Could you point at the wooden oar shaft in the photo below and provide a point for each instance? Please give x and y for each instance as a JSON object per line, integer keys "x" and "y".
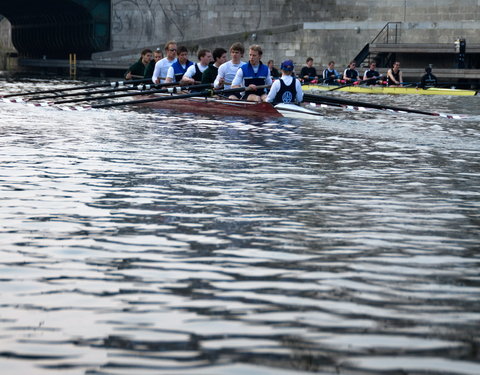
{"x": 338, "y": 101}
{"x": 112, "y": 84}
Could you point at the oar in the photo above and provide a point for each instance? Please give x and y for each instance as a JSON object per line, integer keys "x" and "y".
{"x": 363, "y": 82}
{"x": 126, "y": 88}
{"x": 341, "y": 87}
{"x": 344, "y": 102}
{"x": 112, "y": 84}
{"x": 205, "y": 93}
{"x": 142, "y": 92}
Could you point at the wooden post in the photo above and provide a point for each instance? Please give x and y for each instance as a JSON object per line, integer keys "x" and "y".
{"x": 73, "y": 65}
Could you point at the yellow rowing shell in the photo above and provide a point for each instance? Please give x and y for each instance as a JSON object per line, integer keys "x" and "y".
{"x": 390, "y": 90}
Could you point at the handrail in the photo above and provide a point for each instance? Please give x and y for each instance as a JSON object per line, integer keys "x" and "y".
{"x": 386, "y": 29}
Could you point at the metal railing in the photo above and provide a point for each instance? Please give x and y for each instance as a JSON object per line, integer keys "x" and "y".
{"x": 390, "y": 34}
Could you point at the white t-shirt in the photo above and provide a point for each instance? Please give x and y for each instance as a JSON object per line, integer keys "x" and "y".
{"x": 161, "y": 69}
{"x": 227, "y": 71}
{"x": 288, "y": 81}
{"x": 191, "y": 70}
{"x": 238, "y": 80}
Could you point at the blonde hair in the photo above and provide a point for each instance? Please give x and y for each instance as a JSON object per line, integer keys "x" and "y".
{"x": 168, "y": 44}
{"x": 256, "y": 48}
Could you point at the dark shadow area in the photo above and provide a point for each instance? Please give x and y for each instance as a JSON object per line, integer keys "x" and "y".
{"x": 55, "y": 28}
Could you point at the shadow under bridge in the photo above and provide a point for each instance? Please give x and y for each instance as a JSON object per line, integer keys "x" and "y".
{"x": 55, "y": 28}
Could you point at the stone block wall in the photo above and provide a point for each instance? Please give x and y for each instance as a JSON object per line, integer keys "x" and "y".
{"x": 330, "y": 29}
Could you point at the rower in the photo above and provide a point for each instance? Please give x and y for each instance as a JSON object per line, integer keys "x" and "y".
{"x": 228, "y": 70}
{"x": 308, "y": 72}
{"x": 287, "y": 89}
{"x": 350, "y": 75}
{"x": 428, "y": 79}
{"x": 394, "y": 75}
{"x": 161, "y": 67}
{"x": 219, "y": 57}
{"x": 330, "y": 75}
{"x": 179, "y": 67}
{"x": 157, "y": 56}
{"x": 195, "y": 71}
{"x": 253, "y": 74}
{"x": 371, "y": 75}
{"x": 137, "y": 70}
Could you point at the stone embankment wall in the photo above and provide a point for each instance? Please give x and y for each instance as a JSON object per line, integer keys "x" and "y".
{"x": 328, "y": 29}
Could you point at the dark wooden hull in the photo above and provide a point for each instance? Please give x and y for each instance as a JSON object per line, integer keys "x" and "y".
{"x": 220, "y": 107}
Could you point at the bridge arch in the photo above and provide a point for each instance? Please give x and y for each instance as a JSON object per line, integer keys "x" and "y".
{"x": 55, "y": 28}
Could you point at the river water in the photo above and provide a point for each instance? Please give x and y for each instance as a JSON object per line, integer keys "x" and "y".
{"x": 136, "y": 241}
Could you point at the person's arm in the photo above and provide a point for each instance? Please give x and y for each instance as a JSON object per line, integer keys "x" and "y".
{"x": 208, "y": 75}
{"x": 238, "y": 80}
{"x": 268, "y": 80}
{"x": 298, "y": 88}
{"x": 401, "y": 78}
{"x": 187, "y": 77}
{"x": 303, "y": 73}
{"x": 391, "y": 77}
{"x": 170, "y": 75}
{"x": 128, "y": 74}
{"x": 273, "y": 91}
{"x": 220, "y": 79}
{"x": 156, "y": 72}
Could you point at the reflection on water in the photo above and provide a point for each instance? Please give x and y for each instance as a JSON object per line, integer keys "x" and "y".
{"x": 147, "y": 242}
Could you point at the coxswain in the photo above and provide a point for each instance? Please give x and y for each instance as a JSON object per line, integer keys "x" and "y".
{"x": 287, "y": 89}
{"x": 350, "y": 75}
{"x": 219, "y": 57}
{"x": 157, "y": 56}
{"x": 253, "y": 74}
{"x": 179, "y": 67}
{"x": 227, "y": 71}
{"x": 161, "y": 67}
{"x": 194, "y": 72}
{"x": 428, "y": 79}
{"x": 394, "y": 75}
{"x": 137, "y": 70}
{"x": 330, "y": 75}
{"x": 371, "y": 75}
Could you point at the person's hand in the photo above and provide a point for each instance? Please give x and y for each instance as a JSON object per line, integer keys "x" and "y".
{"x": 128, "y": 75}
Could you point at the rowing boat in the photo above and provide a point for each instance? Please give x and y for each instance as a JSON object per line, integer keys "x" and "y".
{"x": 389, "y": 90}
{"x": 227, "y": 107}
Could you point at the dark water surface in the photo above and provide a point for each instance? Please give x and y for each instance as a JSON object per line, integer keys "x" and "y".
{"x": 142, "y": 242}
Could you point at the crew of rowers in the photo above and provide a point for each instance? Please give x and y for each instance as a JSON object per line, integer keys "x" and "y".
{"x": 371, "y": 76}
{"x": 212, "y": 68}
{"x": 253, "y": 75}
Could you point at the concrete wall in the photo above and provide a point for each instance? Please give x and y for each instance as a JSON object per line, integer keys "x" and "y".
{"x": 328, "y": 29}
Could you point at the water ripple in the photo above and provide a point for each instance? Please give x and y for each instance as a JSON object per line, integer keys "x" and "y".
{"x": 157, "y": 243}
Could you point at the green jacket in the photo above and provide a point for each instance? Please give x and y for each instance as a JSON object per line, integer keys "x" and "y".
{"x": 150, "y": 69}
{"x": 137, "y": 69}
{"x": 210, "y": 74}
